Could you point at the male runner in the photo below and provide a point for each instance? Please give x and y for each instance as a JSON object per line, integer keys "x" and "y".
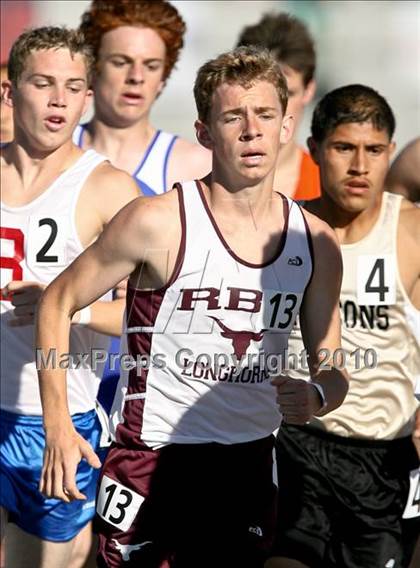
{"x": 56, "y": 199}
{"x": 188, "y": 479}
{"x": 348, "y": 479}
{"x": 291, "y": 43}
{"x": 136, "y": 46}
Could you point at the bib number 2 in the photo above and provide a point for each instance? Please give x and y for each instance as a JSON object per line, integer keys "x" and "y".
{"x": 45, "y": 247}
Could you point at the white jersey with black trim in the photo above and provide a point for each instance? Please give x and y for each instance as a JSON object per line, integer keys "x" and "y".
{"x": 39, "y": 240}
{"x": 205, "y": 337}
{"x": 151, "y": 173}
{"x": 380, "y": 336}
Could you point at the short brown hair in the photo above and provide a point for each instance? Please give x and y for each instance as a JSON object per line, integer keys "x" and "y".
{"x": 159, "y": 15}
{"x": 287, "y": 38}
{"x": 243, "y": 66}
{"x": 45, "y": 38}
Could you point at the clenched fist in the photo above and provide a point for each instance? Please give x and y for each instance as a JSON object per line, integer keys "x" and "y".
{"x": 24, "y": 296}
{"x": 298, "y": 400}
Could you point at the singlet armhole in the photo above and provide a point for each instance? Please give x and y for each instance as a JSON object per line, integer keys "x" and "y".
{"x": 146, "y": 154}
{"x": 310, "y": 247}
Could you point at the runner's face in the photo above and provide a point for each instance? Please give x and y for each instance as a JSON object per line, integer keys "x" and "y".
{"x": 246, "y": 128}
{"x": 130, "y": 74}
{"x": 353, "y": 161}
{"x": 50, "y": 98}
{"x": 299, "y": 95}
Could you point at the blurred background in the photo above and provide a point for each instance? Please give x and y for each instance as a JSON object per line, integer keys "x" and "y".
{"x": 376, "y": 43}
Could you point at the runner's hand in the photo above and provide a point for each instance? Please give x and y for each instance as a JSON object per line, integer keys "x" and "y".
{"x": 24, "y": 296}
{"x": 298, "y": 399}
{"x": 63, "y": 452}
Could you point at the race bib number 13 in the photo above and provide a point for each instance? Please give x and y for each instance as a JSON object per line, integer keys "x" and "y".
{"x": 117, "y": 504}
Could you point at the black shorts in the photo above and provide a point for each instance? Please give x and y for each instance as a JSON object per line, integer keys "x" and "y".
{"x": 187, "y": 506}
{"x": 340, "y": 500}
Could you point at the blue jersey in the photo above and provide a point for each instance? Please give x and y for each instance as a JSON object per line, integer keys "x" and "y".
{"x": 151, "y": 173}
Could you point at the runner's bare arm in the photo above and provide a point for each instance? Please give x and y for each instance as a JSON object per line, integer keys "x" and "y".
{"x": 106, "y": 192}
{"x": 104, "y": 316}
{"x": 320, "y": 325}
{"x": 320, "y": 315}
{"x": 102, "y": 266}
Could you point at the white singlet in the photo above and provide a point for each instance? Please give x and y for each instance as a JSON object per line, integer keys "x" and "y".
{"x": 382, "y": 352}
{"x": 216, "y": 308}
{"x": 38, "y": 241}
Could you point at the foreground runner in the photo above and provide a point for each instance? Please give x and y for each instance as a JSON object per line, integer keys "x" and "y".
{"x": 218, "y": 271}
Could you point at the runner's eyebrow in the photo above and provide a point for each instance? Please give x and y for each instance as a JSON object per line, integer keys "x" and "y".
{"x": 51, "y": 78}
{"x": 128, "y": 58}
{"x": 379, "y": 145}
{"x": 241, "y": 110}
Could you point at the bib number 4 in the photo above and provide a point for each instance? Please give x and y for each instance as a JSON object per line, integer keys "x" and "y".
{"x": 376, "y": 280}
{"x": 412, "y": 509}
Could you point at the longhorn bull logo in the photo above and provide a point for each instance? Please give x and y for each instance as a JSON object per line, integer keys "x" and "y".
{"x": 127, "y": 549}
{"x": 240, "y": 339}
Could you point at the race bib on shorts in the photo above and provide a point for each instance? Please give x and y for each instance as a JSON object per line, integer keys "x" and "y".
{"x": 117, "y": 504}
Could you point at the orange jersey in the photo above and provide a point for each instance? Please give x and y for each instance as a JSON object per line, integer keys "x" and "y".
{"x": 308, "y": 186}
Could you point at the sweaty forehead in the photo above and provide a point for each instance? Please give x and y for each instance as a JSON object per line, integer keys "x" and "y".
{"x": 55, "y": 62}
{"x": 133, "y": 41}
{"x": 257, "y": 94}
{"x": 359, "y": 131}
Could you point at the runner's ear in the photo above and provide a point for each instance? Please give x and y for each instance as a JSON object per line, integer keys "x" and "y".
{"x": 203, "y": 135}
{"x": 7, "y": 93}
{"x": 313, "y": 149}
